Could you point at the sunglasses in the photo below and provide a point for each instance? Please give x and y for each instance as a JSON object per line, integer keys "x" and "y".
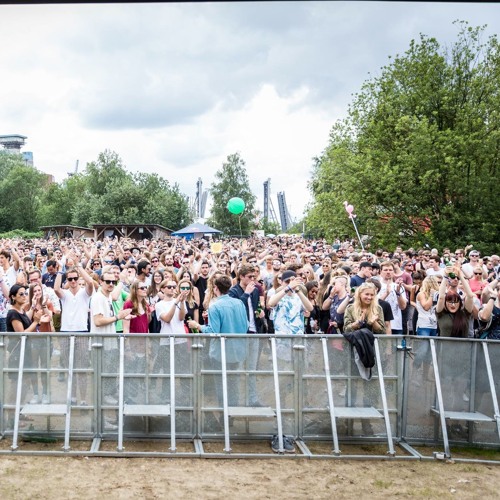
{"x": 185, "y": 288}
{"x": 110, "y": 282}
{"x": 72, "y": 279}
{"x": 478, "y": 274}
{"x": 154, "y": 260}
{"x": 142, "y": 287}
{"x": 169, "y": 286}
{"x": 23, "y": 294}
{"x": 186, "y": 263}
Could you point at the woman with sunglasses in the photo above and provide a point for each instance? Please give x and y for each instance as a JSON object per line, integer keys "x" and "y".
{"x": 311, "y": 322}
{"x": 137, "y": 301}
{"x": 23, "y": 319}
{"x": 453, "y": 313}
{"x": 135, "y": 360}
{"x": 192, "y": 307}
{"x": 154, "y": 295}
{"x": 171, "y": 311}
{"x": 477, "y": 283}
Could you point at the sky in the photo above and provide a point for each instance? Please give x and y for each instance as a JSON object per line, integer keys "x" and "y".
{"x": 175, "y": 88}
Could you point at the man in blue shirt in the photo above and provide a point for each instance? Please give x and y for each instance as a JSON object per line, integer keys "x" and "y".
{"x": 226, "y": 315}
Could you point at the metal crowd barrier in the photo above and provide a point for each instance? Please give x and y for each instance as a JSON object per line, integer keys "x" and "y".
{"x": 226, "y": 396}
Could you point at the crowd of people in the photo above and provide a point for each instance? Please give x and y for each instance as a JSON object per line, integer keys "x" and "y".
{"x": 287, "y": 285}
{"x": 283, "y": 285}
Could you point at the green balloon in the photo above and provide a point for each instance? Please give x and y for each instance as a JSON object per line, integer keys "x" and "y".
{"x": 236, "y": 205}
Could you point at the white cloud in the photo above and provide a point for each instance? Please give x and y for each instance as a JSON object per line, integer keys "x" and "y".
{"x": 175, "y": 88}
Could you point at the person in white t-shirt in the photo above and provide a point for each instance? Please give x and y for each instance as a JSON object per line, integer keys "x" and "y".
{"x": 394, "y": 293}
{"x": 75, "y": 302}
{"x": 171, "y": 311}
{"x": 103, "y": 320}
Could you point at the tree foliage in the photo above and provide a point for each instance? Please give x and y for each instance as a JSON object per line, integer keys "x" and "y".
{"x": 232, "y": 181}
{"x": 21, "y": 190}
{"x": 418, "y": 153}
{"x": 105, "y": 193}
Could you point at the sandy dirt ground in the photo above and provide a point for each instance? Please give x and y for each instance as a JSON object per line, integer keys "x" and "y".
{"x": 127, "y": 478}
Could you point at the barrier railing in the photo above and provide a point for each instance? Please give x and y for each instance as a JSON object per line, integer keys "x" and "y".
{"x": 196, "y": 390}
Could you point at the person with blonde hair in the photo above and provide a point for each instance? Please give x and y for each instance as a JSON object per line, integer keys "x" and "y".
{"x": 425, "y": 304}
{"x": 365, "y": 311}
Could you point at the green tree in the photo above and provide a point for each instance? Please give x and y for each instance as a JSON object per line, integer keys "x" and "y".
{"x": 231, "y": 181}
{"x": 21, "y": 190}
{"x": 418, "y": 153}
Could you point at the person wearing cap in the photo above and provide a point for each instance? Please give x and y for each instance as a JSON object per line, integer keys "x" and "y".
{"x": 289, "y": 304}
{"x": 365, "y": 272}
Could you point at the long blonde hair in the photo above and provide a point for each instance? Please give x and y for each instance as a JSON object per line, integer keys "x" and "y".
{"x": 429, "y": 284}
{"x": 372, "y": 310}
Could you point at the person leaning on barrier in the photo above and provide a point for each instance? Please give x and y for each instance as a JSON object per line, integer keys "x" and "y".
{"x": 365, "y": 311}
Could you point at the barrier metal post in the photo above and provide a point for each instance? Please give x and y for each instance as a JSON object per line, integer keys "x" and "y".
{"x": 281, "y": 448}
{"x": 121, "y": 381}
{"x": 384, "y": 399}
{"x": 19, "y": 392}
{"x": 491, "y": 381}
{"x": 331, "y": 405}
{"x": 172, "y": 394}
{"x": 440, "y": 399}
{"x": 227, "y": 447}
{"x": 68, "y": 392}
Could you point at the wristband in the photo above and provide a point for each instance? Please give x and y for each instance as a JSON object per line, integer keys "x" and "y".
{"x": 492, "y": 298}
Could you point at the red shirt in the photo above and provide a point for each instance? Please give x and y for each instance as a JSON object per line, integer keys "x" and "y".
{"x": 139, "y": 324}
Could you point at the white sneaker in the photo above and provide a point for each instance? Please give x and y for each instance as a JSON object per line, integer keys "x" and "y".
{"x": 110, "y": 400}
{"x": 35, "y": 400}
{"x": 45, "y": 399}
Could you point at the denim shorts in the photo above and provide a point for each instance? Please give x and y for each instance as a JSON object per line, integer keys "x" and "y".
{"x": 427, "y": 332}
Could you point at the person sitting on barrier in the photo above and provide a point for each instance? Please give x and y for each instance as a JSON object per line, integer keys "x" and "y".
{"x": 453, "y": 313}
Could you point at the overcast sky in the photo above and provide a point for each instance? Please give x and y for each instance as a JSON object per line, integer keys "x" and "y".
{"x": 176, "y": 88}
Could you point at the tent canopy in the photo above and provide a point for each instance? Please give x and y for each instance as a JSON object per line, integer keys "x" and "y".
{"x": 195, "y": 230}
